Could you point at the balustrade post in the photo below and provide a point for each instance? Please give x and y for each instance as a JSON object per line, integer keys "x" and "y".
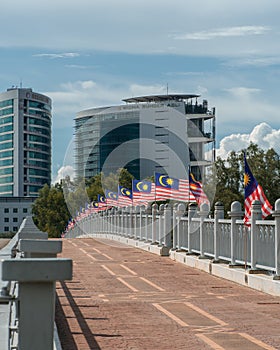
{"x": 203, "y": 213}
{"x": 191, "y": 213}
{"x": 109, "y": 218}
{"x": 276, "y": 215}
{"x": 175, "y": 227}
{"x": 235, "y": 214}
{"x": 167, "y": 226}
{"x": 218, "y": 214}
{"x": 105, "y": 218}
{"x": 131, "y": 222}
{"x": 161, "y": 225}
{"x": 181, "y": 209}
{"x": 39, "y": 248}
{"x": 148, "y": 227}
{"x": 154, "y": 222}
{"x": 141, "y": 221}
{"x": 127, "y": 223}
{"x": 256, "y": 214}
{"x": 114, "y": 220}
{"x": 136, "y": 212}
{"x": 119, "y": 219}
{"x": 102, "y": 214}
{"x": 36, "y": 278}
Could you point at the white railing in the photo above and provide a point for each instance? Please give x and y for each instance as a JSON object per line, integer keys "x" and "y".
{"x": 193, "y": 231}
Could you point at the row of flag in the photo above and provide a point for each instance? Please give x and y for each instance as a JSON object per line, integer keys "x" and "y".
{"x": 144, "y": 192}
{"x": 166, "y": 187}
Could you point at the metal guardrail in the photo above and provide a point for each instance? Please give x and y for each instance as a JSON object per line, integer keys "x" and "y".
{"x": 257, "y": 247}
{"x": 28, "y": 272}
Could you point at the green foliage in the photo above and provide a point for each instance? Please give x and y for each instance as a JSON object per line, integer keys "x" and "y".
{"x": 98, "y": 183}
{"x": 80, "y": 192}
{"x": 7, "y": 234}
{"x": 229, "y": 175}
{"x": 50, "y": 211}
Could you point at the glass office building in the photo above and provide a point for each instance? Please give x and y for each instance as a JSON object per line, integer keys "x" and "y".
{"x": 25, "y": 142}
{"x": 161, "y": 133}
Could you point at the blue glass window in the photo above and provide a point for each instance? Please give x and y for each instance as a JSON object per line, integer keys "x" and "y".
{"x": 6, "y": 145}
{"x": 6, "y": 120}
{"x": 6, "y": 137}
{"x": 6, "y": 103}
{"x": 6, "y": 111}
{"x": 6, "y": 171}
{"x": 7, "y": 179}
{"x": 6, "y": 162}
{"x": 6, "y": 128}
{"x": 6, "y": 154}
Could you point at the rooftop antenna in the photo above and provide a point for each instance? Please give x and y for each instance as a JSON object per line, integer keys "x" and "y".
{"x": 167, "y": 89}
{"x": 20, "y": 84}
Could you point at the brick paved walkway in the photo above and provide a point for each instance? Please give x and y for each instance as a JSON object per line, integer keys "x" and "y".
{"x": 122, "y": 298}
{"x": 3, "y": 242}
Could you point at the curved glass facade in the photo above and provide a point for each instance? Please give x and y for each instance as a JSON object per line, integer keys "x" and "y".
{"x": 162, "y": 133}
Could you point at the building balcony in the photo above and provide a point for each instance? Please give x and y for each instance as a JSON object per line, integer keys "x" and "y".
{"x": 202, "y": 162}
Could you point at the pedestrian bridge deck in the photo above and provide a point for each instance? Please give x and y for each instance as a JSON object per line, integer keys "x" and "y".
{"x": 125, "y": 298}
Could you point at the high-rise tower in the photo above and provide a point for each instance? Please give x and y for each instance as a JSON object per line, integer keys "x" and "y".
{"x": 25, "y": 142}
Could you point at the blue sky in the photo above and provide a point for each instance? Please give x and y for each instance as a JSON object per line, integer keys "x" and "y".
{"x": 94, "y": 53}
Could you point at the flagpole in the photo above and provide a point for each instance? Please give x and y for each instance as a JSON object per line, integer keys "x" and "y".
{"x": 189, "y": 171}
{"x": 155, "y": 186}
{"x": 132, "y": 191}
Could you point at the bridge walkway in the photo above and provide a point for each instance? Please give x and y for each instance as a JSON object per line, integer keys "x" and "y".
{"x": 123, "y": 298}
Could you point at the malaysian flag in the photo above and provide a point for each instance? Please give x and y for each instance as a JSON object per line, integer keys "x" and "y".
{"x": 102, "y": 205}
{"x": 95, "y": 207}
{"x": 197, "y": 191}
{"x": 112, "y": 198}
{"x": 253, "y": 191}
{"x": 164, "y": 186}
{"x": 143, "y": 192}
{"x": 82, "y": 212}
{"x": 124, "y": 196}
{"x": 182, "y": 193}
{"x": 88, "y": 208}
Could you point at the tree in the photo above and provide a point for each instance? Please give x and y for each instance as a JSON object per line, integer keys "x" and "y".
{"x": 229, "y": 174}
{"x": 97, "y": 184}
{"x": 50, "y": 211}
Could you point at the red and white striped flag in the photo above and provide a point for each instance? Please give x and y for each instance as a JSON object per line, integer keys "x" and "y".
{"x": 124, "y": 197}
{"x": 143, "y": 192}
{"x": 197, "y": 191}
{"x": 253, "y": 191}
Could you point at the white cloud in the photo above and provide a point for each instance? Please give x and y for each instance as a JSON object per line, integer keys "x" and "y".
{"x": 242, "y": 92}
{"x": 263, "y": 135}
{"x": 224, "y": 33}
{"x": 66, "y": 170}
{"x": 264, "y": 61}
{"x": 79, "y": 95}
{"x": 58, "y": 55}
{"x": 142, "y": 26}
{"x": 241, "y": 108}
{"x": 140, "y": 90}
